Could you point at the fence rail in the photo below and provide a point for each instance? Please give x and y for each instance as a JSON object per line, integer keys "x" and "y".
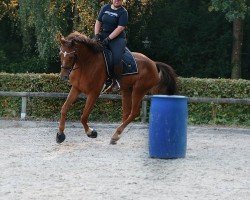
{"x": 25, "y": 95}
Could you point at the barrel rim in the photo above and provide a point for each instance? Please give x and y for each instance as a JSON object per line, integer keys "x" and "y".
{"x": 169, "y": 96}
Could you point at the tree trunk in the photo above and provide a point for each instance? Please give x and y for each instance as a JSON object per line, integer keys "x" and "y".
{"x": 237, "y": 47}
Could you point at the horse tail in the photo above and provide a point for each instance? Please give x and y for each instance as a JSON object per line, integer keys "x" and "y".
{"x": 168, "y": 80}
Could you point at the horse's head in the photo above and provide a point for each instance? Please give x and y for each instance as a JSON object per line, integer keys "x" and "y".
{"x": 68, "y": 57}
{"x": 74, "y": 47}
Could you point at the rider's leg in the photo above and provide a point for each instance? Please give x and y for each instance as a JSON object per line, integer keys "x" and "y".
{"x": 117, "y": 46}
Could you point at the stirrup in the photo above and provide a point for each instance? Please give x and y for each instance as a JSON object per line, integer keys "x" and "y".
{"x": 107, "y": 86}
{"x": 111, "y": 86}
{"x": 116, "y": 86}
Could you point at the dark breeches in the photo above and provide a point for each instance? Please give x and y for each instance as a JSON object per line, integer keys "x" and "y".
{"x": 117, "y": 46}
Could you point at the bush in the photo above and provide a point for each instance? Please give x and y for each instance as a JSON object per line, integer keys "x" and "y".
{"x": 34, "y": 64}
{"x": 210, "y": 113}
{"x": 199, "y": 113}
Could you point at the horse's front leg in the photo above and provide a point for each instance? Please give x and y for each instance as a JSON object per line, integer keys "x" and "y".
{"x": 90, "y": 102}
{"x": 72, "y": 96}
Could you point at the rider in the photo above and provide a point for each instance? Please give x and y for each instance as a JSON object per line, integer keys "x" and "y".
{"x": 109, "y": 28}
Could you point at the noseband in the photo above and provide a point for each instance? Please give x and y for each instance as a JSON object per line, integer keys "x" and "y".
{"x": 65, "y": 53}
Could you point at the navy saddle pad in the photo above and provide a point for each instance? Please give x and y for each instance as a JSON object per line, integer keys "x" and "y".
{"x": 128, "y": 62}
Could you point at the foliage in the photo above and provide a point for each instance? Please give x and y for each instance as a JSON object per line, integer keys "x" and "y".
{"x": 3, "y": 58}
{"x": 33, "y": 64}
{"x": 223, "y": 114}
{"x": 194, "y": 46}
{"x": 8, "y": 7}
{"x": 233, "y": 9}
{"x": 42, "y": 20}
{"x": 246, "y": 47}
{"x": 46, "y": 19}
{"x": 215, "y": 88}
{"x": 199, "y": 113}
{"x": 182, "y": 33}
{"x": 85, "y": 12}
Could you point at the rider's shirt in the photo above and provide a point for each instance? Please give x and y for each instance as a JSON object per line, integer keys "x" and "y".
{"x": 111, "y": 19}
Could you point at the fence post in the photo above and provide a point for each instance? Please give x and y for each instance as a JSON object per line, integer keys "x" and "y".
{"x": 144, "y": 112}
{"x": 23, "y": 110}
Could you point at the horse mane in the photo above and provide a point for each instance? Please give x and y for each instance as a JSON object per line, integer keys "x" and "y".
{"x": 80, "y": 38}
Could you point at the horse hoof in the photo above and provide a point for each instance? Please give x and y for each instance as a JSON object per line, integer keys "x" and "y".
{"x": 113, "y": 141}
{"x": 60, "y": 137}
{"x": 93, "y": 134}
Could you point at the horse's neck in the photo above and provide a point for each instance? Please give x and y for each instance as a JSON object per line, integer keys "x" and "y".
{"x": 83, "y": 59}
{"x": 89, "y": 63}
{"x": 91, "y": 67}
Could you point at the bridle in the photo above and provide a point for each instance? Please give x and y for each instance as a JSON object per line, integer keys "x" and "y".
{"x": 65, "y": 53}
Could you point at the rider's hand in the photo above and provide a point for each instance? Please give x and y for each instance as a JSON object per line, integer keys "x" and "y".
{"x": 97, "y": 37}
{"x": 106, "y": 41}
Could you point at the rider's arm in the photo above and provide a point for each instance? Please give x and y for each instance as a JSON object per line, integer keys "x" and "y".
{"x": 98, "y": 22}
{"x": 116, "y": 32}
{"x": 122, "y": 23}
{"x": 98, "y": 25}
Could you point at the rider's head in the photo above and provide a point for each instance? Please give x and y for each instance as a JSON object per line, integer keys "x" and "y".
{"x": 117, "y": 3}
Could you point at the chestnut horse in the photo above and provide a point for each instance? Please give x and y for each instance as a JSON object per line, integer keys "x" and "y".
{"x": 82, "y": 61}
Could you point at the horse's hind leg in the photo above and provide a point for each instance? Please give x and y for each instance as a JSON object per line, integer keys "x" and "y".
{"x": 126, "y": 104}
{"x": 135, "y": 111}
{"x": 72, "y": 96}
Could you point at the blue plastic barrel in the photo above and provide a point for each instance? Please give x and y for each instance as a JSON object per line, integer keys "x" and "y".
{"x": 168, "y": 126}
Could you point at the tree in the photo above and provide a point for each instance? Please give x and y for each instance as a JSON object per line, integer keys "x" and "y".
{"x": 9, "y": 42}
{"x": 8, "y": 7}
{"x": 85, "y": 12}
{"x": 40, "y": 22}
{"x": 181, "y": 33}
{"x": 44, "y": 20}
{"x": 185, "y": 35}
{"x": 235, "y": 11}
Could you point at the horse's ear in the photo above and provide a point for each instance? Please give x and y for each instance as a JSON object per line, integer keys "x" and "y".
{"x": 59, "y": 37}
{"x": 62, "y": 40}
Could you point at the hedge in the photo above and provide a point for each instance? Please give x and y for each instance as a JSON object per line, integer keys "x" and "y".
{"x": 199, "y": 113}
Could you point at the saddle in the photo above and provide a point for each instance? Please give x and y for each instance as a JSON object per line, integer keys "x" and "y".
{"x": 128, "y": 63}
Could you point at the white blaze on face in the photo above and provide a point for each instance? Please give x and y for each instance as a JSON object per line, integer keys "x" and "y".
{"x": 65, "y": 54}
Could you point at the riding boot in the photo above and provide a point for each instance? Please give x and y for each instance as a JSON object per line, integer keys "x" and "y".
{"x": 112, "y": 83}
{"x": 118, "y": 71}
{"x": 117, "y": 77}
{"x": 108, "y": 85}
